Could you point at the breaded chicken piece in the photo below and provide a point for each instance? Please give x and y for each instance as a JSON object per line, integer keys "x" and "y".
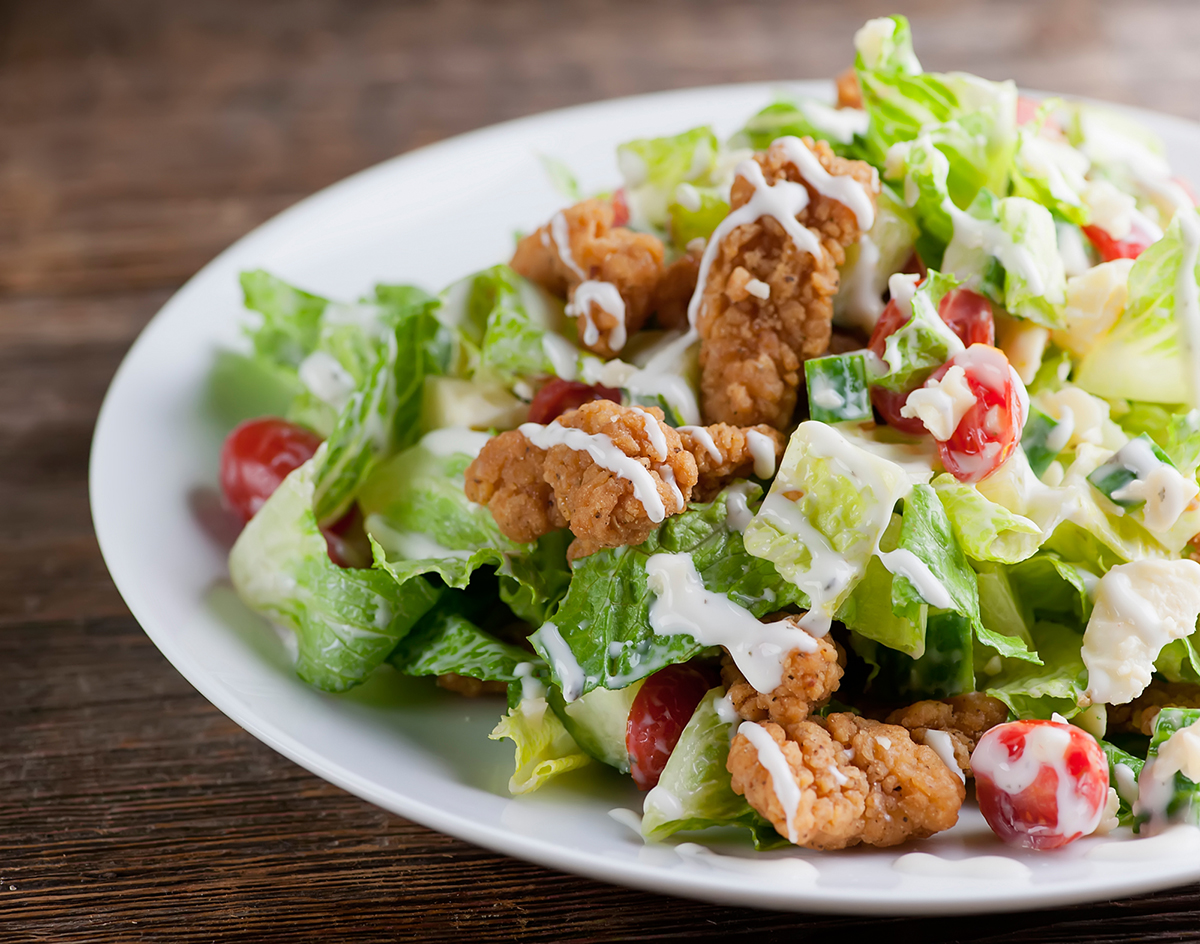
{"x": 964, "y": 717}
{"x": 1138, "y": 715}
{"x": 674, "y": 291}
{"x": 809, "y": 678}
{"x": 513, "y": 478}
{"x": 832, "y": 791}
{"x": 858, "y": 780}
{"x": 849, "y": 92}
{"x": 509, "y": 476}
{"x": 580, "y": 245}
{"x": 470, "y": 687}
{"x": 913, "y": 793}
{"x": 752, "y": 347}
{"x": 723, "y": 453}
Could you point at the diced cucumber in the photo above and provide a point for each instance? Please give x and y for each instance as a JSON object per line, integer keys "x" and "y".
{"x": 1119, "y": 471}
{"x": 597, "y": 721}
{"x": 1123, "y": 771}
{"x": 1039, "y": 442}
{"x": 1167, "y": 797}
{"x": 837, "y": 388}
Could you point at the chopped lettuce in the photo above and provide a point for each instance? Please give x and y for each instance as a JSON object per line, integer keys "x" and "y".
{"x": 291, "y": 318}
{"x": 944, "y": 668}
{"x": 924, "y": 342}
{"x": 871, "y": 261}
{"x": 655, "y": 168}
{"x": 1145, "y": 354}
{"x": 1039, "y": 691}
{"x": 986, "y": 530}
{"x": 544, "y": 749}
{"x": 346, "y": 621}
{"x": 446, "y": 640}
{"x": 604, "y": 617}
{"x": 696, "y": 785}
{"x": 1124, "y": 781}
{"x": 807, "y": 117}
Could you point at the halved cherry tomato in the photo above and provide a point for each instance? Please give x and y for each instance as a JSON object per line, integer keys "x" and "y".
{"x": 1020, "y": 768}
{"x": 557, "y": 396}
{"x": 620, "y": 208}
{"x": 1130, "y": 247}
{"x": 990, "y": 430}
{"x": 257, "y": 456}
{"x": 1026, "y": 109}
{"x": 661, "y": 709}
{"x": 967, "y": 313}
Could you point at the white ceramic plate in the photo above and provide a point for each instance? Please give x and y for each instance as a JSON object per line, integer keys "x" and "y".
{"x": 430, "y": 217}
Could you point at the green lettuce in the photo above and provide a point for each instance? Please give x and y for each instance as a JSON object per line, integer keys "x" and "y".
{"x": 699, "y": 783}
{"x": 544, "y": 749}
{"x": 924, "y": 342}
{"x": 805, "y": 117}
{"x": 1144, "y": 355}
{"x": 446, "y": 640}
{"x": 604, "y": 619}
{"x": 346, "y": 621}
{"x": 984, "y": 529}
{"x": 1038, "y": 691}
{"x": 654, "y": 169}
{"x": 944, "y": 668}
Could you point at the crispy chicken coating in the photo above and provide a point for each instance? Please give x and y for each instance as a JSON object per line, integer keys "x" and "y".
{"x": 752, "y": 346}
{"x": 849, "y": 92}
{"x": 515, "y": 479}
{"x": 1138, "y": 715}
{"x": 858, "y": 781}
{"x": 580, "y": 245}
{"x": 674, "y": 291}
{"x": 964, "y": 717}
{"x": 723, "y": 453}
{"x": 809, "y": 678}
{"x": 470, "y": 687}
{"x": 509, "y": 477}
{"x": 832, "y": 791}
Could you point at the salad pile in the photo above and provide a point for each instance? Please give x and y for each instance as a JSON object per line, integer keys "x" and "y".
{"x": 804, "y": 477}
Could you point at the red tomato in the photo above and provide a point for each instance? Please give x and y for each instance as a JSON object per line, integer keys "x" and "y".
{"x": 257, "y": 456}
{"x": 1109, "y": 248}
{"x": 1040, "y": 784}
{"x": 557, "y": 396}
{"x": 968, "y": 314}
{"x": 991, "y": 428}
{"x": 1026, "y": 109}
{"x": 620, "y": 208}
{"x": 661, "y": 709}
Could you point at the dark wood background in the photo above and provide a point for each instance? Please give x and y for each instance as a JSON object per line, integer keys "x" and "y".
{"x": 140, "y": 137}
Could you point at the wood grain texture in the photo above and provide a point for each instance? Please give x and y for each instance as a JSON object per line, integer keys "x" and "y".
{"x": 139, "y": 138}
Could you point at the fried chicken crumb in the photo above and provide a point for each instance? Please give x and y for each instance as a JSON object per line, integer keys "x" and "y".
{"x": 849, "y": 92}
{"x": 470, "y": 687}
{"x": 728, "y": 458}
{"x": 752, "y": 346}
{"x": 809, "y": 679}
{"x": 1137, "y": 717}
{"x": 964, "y": 717}
{"x": 598, "y": 252}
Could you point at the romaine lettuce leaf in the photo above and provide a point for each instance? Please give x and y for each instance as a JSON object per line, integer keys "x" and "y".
{"x": 544, "y": 749}
{"x": 346, "y": 621}
{"x": 945, "y": 667}
{"x": 986, "y": 530}
{"x": 1033, "y": 691}
{"x": 868, "y": 610}
{"x": 446, "y": 640}
{"x": 653, "y": 169}
{"x": 1144, "y": 356}
{"x": 291, "y": 318}
{"x": 696, "y": 783}
{"x": 604, "y": 619}
{"x": 806, "y": 117}
{"x": 923, "y": 343}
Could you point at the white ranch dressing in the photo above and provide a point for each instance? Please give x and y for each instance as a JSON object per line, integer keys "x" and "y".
{"x": 561, "y": 234}
{"x": 627, "y": 818}
{"x": 659, "y": 378}
{"x": 783, "y": 782}
{"x": 688, "y": 197}
{"x": 654, "y": 432}
{"x": 840, "y": 124}
{"x": 943, "y": 745}
{"x": 1187, "y": 298}
{"x": 412, "y": 545}
{"x": 1059, "y": 437}
{"x": 704, "y": 438}
{"x": 603, "y": 295}
{"x": 1045, "y": 745}
{"x": 566, "y": 666}
{"x": 531, "y": 685}
{"x": 682, "y": 604}
{"x": 989, "y": 868}
{"x": 326, "y": 379}
{"x": 781, "y": 200}
{"x": 788, "y": 870}
{"x": 452, "y": 441}
{"x": 737, "y": 507}
{"x": 904, "y": 563}
{"x": 859, "y": 301}
{"x": 605, "y": 454}
{"x": 562, "y": 355}
{"x": 1163, "y": 488}
{"x": 842, "y": 188}
{"x": 1139, "y": 608}
{"x": 1180, "y": 753}
{"x": 662, "y": 801}
{"x": 762, "y": 448}
{"x": 993, "y": 240}
{"x": 902, "y": 286}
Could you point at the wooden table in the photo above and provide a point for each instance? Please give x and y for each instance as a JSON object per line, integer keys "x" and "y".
{"x": 137, "y": 139}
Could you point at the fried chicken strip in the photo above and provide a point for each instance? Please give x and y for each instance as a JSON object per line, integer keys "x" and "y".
{"x": 964, "y": 718}
{"x": 531, "y": 490}
{"x": 767, "y": 302}
{"x": 724, "y": 453}
{"x": 809, "y": 679}
{"x": 1137, "y": 717}
{"x": 608, "y": 273}
{"x": 849, "y": 93}
{"x": 857, "y": 781}
{"x": 675, "y": 289}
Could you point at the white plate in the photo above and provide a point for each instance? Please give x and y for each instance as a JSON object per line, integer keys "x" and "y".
{"x": 430, "y": 217}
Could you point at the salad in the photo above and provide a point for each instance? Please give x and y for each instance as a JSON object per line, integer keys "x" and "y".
{"x": 806, "y": 477}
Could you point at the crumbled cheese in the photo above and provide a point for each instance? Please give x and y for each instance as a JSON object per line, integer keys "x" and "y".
{"x": 941, "y": 404}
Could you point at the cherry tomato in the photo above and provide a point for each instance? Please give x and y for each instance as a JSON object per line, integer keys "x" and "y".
{"x": 558, "y": 396}
{"x": 661, "y": 709}
{"x": 967, "y": 313}
{"x": 1040, "y": 784}
{"x": 1109, "y": 248}
{"x": 990, "y": 430}
{"x": 257, "y": 456}
{"x": 1026, "y": 109}
{"x": 620, "y": 208}
{"x": 347, "y": 540}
